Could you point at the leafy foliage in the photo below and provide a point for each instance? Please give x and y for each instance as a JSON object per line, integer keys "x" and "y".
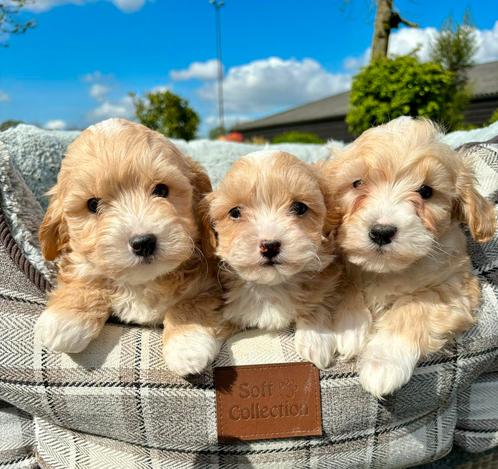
{"x": 9, "y": 19}
{"x": 295, "y": 136}
{"x": 494, "y": 117}
{"x": 8, "y": 124}
{"x": 216, "y": 132}
{"x": 389, "y": 88}
{"x": 167, "y": 113}
{"x": 455, "y": 47}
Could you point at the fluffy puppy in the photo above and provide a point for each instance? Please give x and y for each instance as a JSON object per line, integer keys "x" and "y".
{"x": 401, "y": 196}
{"x": 125, "y": 227}
{"x": 276, "y": 249}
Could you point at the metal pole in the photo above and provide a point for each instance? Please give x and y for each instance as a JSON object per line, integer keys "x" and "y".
{"x": 221, "y": 116}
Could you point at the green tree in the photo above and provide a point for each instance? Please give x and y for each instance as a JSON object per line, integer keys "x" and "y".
{"x": 295, "y": 136}
{"x": 454, "y": 48}
{"x": 8, "y": 124}
{"x": 10, "y": 23}
{"x": 493, "y": 118}
{"x": 389, "y": 88}
{"x": 216, "y": 132}
{"x": 167, "y": 113}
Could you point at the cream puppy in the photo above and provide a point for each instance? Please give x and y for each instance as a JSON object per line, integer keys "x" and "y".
{"x": 275, "y": 245}
{"x": 125, "y": 227}
{"x": 401, "y": 196}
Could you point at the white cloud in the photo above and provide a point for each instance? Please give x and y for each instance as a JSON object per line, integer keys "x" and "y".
{"x": 406, "y": 40}
{"x": 99, "y": 91}
{"x": 160, "y": 89}
{"x": 488, "y": 44}
{"x": 129, "y": 6}
{"x": 264, "y": 85}
{"x": 40, "y": 6}
{"x": 121, "y": 108}
{"x": 355, "y": 63}
{"x": 197, "y": 71}
{"x": 95, "y": 76}
{"x": 4, "y": 96}
{"x": 230, "y": 120}
{"x": 126, "y": 6}
{"x": 55, "y": 124}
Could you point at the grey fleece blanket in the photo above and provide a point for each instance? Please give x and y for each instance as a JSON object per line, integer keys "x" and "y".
{"x": 30, "y": 156}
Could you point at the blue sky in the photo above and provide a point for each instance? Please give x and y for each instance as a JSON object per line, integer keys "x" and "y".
{"x": 77, "y": 66}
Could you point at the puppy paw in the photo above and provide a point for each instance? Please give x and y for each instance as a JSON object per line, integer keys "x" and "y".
{"x": 63, "y": 332}
{"x": 386, "y": 365}
{"x": 190, "y": 352}
{"x": 317, "y": 347}
{"x": 350, "y": 338}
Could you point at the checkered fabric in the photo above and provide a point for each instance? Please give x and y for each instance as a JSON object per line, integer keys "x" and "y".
{"x": 17, "y": 438}
{"x": 117, "y": 405}
{"x": 477, "y": 425}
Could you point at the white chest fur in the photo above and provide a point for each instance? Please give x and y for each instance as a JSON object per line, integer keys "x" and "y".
{"x": 449, "y": 258}
{"x": 262, "y": 306}
{"x": 139, "y": 305}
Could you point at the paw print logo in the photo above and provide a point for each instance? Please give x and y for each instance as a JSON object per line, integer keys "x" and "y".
{"x": 287, "y": 388}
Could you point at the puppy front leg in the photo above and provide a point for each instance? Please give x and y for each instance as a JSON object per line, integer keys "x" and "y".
{"x": 411, "y": 329}
{"x": 193, "y": 334}
{"x": 351, "y": 324}
{"x": 315, "y": 340}
{"x": 75, "y": 315}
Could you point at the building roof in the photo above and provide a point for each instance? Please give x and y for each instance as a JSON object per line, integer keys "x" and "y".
{"x": 333, "y": 106}
{"x": 483, "y": 79}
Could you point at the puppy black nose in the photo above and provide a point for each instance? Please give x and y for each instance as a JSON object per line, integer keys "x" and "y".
{"x": 269, "y": 249}
{"x": 382, "y": 234}
{"x": 143, "y": 245}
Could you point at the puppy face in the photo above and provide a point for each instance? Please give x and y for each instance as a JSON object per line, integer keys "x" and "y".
{"x": 399, "y": 190}
{"x": 269, "y": 214}
{"x": 124, "y": 202}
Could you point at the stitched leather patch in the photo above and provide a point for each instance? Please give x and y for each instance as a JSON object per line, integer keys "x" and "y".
{"x": 258, "y": 402}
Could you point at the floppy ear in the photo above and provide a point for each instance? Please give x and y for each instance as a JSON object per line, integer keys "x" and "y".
{"x": 53, "y": 230}
{"x": 472, "y": 208}
{"x": 202, "y": 190}
{"x": 209, "y": 236}
{"x": 333, "y": 216}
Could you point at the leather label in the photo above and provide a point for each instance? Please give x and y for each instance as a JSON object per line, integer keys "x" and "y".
{"x": 256, "y": 402}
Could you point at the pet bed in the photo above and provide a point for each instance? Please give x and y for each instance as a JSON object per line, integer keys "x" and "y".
{"x": 117, "y": 405}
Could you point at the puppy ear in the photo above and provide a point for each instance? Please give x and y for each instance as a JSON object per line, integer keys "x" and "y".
{"x": 472, "y": 208}
{"x": 53, "y": 230}
{"x": 209, "y": 236}
{"x": 202, "y": 190}
{"x": 333, "y": 215}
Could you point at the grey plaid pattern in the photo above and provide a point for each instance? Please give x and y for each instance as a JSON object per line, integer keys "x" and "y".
{"x": 17, "y": 438}
{"x": 117, "y": 405}
{"x": 477, "y": 426}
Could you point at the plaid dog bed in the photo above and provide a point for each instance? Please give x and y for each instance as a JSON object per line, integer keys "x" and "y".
{"x": 117, "y": 405}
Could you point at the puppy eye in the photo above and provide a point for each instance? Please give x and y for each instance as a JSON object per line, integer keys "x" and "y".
{"x": 425, "y": 191}
{"x": 357, "y": 183}
{"x": 299, "y": 208}
{"x": 93, "y": 204}
{"x": 161, "y": 190}
{"x": 234, "y": 213}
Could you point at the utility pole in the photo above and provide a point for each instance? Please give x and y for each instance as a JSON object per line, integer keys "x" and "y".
{"x": 217, "y": 6}
{"x": 386, "y": 19}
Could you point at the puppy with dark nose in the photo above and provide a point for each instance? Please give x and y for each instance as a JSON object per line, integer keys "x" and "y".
{"x": 401, "y": 196}
{"x": 143, "y": 245}
{"x": 276, "y": 248}
{"x": 125, "y": 225}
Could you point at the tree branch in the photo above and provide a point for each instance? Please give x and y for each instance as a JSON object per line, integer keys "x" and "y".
{"x": 396, "y": 20}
